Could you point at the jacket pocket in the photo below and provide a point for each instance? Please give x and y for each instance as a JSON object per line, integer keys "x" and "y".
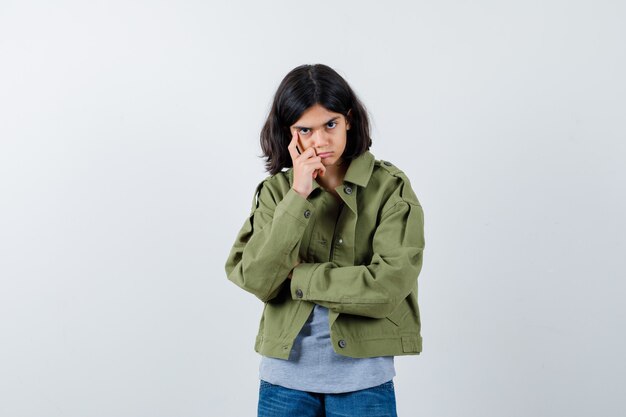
{"x": 398, "y": 315}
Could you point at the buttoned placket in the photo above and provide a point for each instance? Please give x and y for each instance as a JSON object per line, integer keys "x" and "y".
{"x": 319, "y": 245}
{"x": 326, "y": 234}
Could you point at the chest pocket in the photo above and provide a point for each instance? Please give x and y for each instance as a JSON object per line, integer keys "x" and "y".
{"x": 330, "y": 237}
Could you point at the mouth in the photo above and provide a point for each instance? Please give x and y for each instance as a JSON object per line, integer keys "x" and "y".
{"x": 324, "y": 155}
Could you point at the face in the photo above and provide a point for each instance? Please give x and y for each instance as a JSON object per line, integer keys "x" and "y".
{"x": 323, "y": 130}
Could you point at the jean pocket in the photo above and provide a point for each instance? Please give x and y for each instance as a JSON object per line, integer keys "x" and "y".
{"x": 387, "y": 386}
{"x": 265, "y": 385}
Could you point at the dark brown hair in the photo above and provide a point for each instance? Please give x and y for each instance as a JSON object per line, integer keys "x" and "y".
{"x": 303, "y": 87}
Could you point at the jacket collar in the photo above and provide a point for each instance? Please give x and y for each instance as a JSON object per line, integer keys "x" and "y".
{"x": 359, "y": 171}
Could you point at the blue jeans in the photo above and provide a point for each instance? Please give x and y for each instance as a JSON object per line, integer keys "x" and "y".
{"x": 277, "y": 401}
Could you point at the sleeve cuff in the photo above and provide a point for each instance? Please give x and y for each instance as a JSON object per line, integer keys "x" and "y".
{"x": 300, "y": 281}
{"x": 296, "y": 206}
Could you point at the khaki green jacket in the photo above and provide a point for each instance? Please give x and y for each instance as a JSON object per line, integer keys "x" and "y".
{"x": 360, "y": 258}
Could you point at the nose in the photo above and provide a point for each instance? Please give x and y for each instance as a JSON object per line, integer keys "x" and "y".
{"x": 320, "y": 139}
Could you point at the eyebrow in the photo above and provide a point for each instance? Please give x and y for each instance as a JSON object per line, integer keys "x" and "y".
{"x": 331, "y": 120}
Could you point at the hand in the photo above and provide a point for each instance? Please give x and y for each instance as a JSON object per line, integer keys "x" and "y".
{"x": 306, "y": 167}
{"x": 290, "y": 275}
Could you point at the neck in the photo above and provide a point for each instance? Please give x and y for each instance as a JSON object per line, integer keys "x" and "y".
{"x": 334, "y": 175}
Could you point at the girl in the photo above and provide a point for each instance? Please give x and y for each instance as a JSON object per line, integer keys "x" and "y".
{"x": 333, "y": 247}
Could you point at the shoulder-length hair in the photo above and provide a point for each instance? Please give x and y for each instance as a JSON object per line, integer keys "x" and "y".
{"x": 303, "y": 87}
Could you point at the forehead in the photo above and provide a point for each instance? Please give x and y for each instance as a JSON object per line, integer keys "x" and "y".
{"x": 316, "y": 115}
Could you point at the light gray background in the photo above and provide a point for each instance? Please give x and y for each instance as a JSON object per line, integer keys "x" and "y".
{"x": 129, "y": 155}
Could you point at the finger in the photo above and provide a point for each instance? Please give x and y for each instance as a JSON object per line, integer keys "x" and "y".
{"x": 292, "y": 145}
{"x": 319, "y": 169}
{"x": 307, "y": 156}
{"x": 312, "y": 166}
{"x": 322, "y": 170}
{"x": 300, "y": 145}
{"x": 312, "y": 162}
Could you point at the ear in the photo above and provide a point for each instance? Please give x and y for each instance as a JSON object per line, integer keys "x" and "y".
{"x": 348, "y": 118}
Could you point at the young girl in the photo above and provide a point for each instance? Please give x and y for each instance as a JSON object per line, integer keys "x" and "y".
{"x": 333, "y": 247}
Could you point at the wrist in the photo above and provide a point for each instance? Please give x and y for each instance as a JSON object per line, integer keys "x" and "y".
{"x": 303, "y": 194}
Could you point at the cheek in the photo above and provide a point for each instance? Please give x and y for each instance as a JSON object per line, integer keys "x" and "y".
{"x": 339, "y": 135}
{"x": 342, "y": 139}
{"x": 306, "y": 142}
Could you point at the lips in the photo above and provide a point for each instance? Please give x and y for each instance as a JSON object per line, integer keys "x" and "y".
{"x": 324, "y": 154}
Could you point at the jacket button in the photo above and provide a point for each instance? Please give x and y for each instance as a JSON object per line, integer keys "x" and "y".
{"x": 347, "y": 189}
{"x": 307, "y": 213}
{"x": 340, "y": 241}
{"x": 299, "y": 293}
{"x": 342, "y": 343}
{"x": 387, "y": 163}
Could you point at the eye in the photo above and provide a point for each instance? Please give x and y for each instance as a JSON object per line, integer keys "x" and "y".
{"x": 332, "y": 124}
{"x": 304, "y": 130}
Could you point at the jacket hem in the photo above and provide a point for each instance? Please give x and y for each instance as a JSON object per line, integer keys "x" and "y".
{"x": 356, "y": 348}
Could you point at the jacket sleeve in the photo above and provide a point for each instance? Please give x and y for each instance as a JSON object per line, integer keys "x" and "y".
{"x": 266, "y": 247}
{"x": 373, "y": 290}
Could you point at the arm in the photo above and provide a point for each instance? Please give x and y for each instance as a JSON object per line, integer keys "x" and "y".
{"x": 266, "y": 247}
{"x": 373, "y": 290}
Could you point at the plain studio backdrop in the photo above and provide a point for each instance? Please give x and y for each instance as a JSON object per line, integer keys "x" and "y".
{"x": 129, "y": 155}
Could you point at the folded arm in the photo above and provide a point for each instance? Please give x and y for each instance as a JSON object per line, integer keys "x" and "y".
{"x": 376, "y": 289}
{"x": 266, "y": 247}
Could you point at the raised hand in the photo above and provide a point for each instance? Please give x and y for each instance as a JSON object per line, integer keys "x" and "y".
{"x": 306, "y": 167}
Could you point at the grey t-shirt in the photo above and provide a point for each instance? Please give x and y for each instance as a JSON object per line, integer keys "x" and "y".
{"x": 314, "y": 366}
